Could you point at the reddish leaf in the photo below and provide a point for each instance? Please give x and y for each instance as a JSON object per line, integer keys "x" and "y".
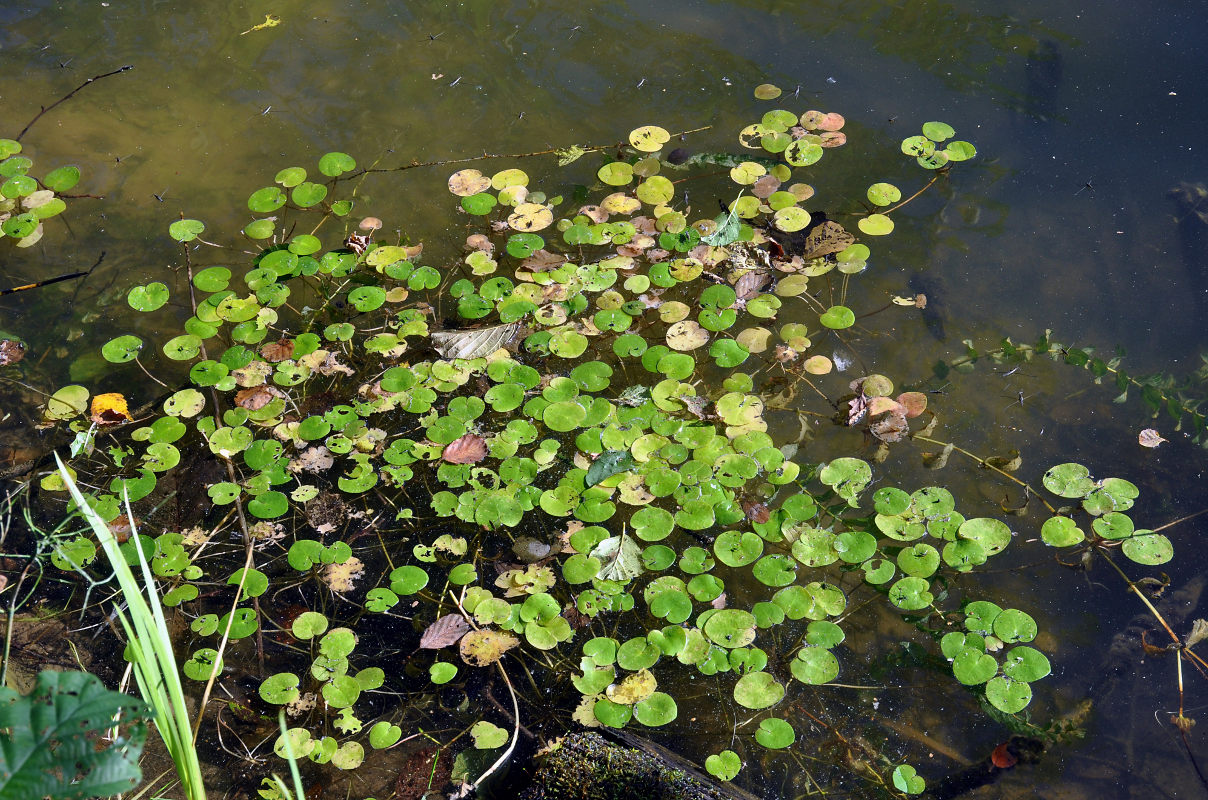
{"x": 595, "y": 214}
{"x": 469, "y": 449}
{"x": 1003, "y": 758}
{"x": 445, "y": 631}
{"x": 756, "y": 512}
{"x": 915, "y": 403}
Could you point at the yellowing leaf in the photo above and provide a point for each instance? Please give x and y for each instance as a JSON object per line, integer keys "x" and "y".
{"x": 109, "y": 409}
{"x": 686, "y": 335}
{"x": 634, "y": 689}
{"x": 483, "y": 648}
{"x": 270, "y": 21}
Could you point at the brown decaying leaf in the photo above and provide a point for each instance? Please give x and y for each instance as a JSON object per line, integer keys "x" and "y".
{"x": 751, "y": 283}
{"x": 444, "y": 632}
{"x": 542, "y": 261}
{"x": 278, "y": 351}
{"x": 313, "y": 459}
{"x": 483, "y": 648}
{"x": 1149, "y": 438}
{"x": 11, "y": 351}
{"x": 890, "y": 428}
{"x": 857, "y": 409}
{"x": 469, "y": 449}
{"x": 480, "y": 241}
{"x": 829, "y": 237}
{"x": 833, "y": 139}
{"x": 341, "y": 578}
{"x": 257, "y": 397}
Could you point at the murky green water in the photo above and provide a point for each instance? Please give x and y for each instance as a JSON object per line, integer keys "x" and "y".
{"x": 1084, "y": 119}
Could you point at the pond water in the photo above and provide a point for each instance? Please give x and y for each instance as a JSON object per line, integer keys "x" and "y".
{"x": 1085, "y": 118}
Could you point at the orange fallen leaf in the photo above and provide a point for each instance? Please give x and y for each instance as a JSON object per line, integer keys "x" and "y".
{"x": 110, "y": 409}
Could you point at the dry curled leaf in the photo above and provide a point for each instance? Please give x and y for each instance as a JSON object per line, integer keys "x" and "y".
{"x": 469, "y": 449}
{"x": 474, "y": 343}
{"x": 483, "y": 648}
{"x": 857, "y": 409}
{"x": 1149, "y": 438}
{"x": 444, "y": 632}
{"x": 109, "y": 409}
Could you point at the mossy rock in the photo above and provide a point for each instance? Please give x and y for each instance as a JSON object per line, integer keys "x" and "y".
{"x": 585, "y": 766}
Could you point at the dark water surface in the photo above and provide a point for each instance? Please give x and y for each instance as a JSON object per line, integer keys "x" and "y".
{"x": 1085, "y": 116}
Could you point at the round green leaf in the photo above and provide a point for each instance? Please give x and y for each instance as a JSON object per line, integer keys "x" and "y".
{"x": 657, "y": 709}
{"x": 186, "y": 230}
{"x": 121, "y": 349}
{"x": 148, "y": 298}
{"x": 757, "y": 690}
{"x": 333, "y": 164}
{"x": 775, "y": 734}
{"x": 838, "y": 318}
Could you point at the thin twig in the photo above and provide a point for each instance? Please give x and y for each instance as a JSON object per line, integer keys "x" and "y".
{"x": 67, "y": 96}
{"x": 930, "y": 183}
{"x": 444, "y": 162}
{"x": 987, "y": 465}
{"x": 57, "y": 279}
